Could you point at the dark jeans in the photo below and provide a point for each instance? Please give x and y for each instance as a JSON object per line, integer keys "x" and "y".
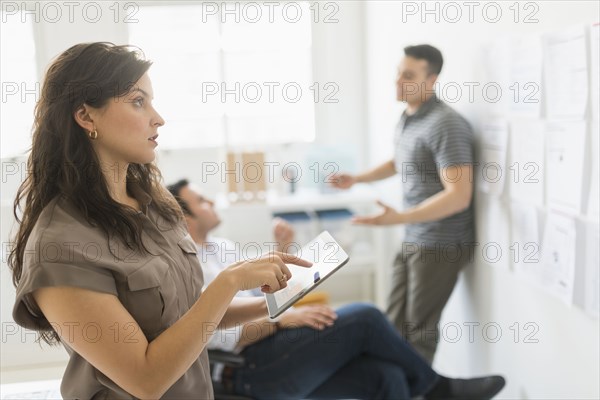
{"x": 361, "y": 357}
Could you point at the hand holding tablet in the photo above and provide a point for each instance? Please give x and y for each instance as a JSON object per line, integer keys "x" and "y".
{"x": 327, "y": 257}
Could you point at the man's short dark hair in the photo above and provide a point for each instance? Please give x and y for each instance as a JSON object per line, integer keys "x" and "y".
{"x": 175, "y": 190}
{"x": 428, "y": 53}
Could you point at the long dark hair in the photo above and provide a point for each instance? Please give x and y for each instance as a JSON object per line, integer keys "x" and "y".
{"x": 62, "y": 161}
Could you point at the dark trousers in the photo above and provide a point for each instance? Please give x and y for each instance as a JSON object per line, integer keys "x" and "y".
{"x": 361, "y": 356}
{"x": 422, "y": 282}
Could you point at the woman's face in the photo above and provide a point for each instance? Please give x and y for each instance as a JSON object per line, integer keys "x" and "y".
{"x": 128, "y": 126}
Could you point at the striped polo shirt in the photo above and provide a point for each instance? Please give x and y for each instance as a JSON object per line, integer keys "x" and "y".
{"x": 433, "y": 138}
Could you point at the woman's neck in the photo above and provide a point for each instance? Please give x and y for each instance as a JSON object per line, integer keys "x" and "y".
{"x": 115, "y": 175}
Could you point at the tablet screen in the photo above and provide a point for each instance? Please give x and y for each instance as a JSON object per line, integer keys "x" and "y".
{"x": 327, "y": 257}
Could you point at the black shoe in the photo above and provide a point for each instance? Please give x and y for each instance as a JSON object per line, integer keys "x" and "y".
{"x": 482, "y": 388}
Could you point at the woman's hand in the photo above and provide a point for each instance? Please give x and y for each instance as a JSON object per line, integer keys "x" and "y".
{"x": 314, "y": 316}
{"x": 269, "y": 271}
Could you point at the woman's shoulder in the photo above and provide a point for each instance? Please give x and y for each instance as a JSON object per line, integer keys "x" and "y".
{"x": 60, "y": 219}
{"x": 60, "y": 231}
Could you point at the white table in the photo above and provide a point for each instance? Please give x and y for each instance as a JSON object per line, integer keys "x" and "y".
{"x": 32, "y": 390}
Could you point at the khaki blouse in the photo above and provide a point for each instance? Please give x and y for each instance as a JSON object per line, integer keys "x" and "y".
{"x": 157, "y": 290}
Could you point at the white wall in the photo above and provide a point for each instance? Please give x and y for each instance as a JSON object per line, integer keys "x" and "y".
{"x": 566, "y": 361}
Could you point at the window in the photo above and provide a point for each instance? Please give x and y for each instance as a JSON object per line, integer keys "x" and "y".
{"x": 229, "y": 74}
{"x": 19, "y": 85}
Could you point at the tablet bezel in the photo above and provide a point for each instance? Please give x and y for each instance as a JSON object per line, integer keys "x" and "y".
{"x": 274, "y": 312}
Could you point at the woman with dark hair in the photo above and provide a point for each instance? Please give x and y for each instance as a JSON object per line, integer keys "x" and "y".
{"x": 102, "y": 259}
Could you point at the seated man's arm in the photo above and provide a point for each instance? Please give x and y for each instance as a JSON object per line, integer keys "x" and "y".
{"x": 313, "y": 316}
{"x": 244, "y": 309}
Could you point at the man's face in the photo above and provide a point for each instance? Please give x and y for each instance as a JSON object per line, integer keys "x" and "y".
{"x": 204, "y": 217}
{"x": 413, "y": 81}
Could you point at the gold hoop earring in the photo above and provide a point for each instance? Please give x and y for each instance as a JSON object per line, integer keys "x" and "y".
{"x": 93, "y": 134}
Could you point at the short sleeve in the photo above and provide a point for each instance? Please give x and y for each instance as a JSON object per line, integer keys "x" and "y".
{"x": 452, "y": 142}
{"x": 26, "y": 312}
{"x": 61, "y": 250}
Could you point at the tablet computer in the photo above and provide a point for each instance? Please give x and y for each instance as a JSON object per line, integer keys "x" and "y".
{"x": 327, "y": 257}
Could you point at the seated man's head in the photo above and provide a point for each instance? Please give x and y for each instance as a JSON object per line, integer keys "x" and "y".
{"x": 199, "y": 212}
{"x": 417, "y": 73}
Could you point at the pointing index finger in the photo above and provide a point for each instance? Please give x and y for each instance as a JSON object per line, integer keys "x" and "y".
{"x": 293, "y": 259}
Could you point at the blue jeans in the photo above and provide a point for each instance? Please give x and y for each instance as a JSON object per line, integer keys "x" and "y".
{"x": 360, "y": 357}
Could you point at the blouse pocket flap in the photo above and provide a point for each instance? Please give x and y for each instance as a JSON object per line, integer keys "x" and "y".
{"x": 187, "y": 245}
{"x": 143, "y": 278}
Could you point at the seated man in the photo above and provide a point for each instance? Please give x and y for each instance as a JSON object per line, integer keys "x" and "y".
{"x": 314, "y": 351}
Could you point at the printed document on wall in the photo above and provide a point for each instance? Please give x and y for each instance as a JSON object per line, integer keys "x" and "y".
{"x": 496, "y": 56}
{"x": 493, "y": 231}
{"x": 526, "y": 76}
{"x": 557, "y": 274}
{"x": 494, "y": 141}
{"x": 595, "y": 69}
{"x": 565, "y": 150}
{"x": 525, "y": 239}
{"x": 566, "y": 73}
{"x": 592, "y": 269}
{"x": 526, "y": 165}
{"x": 593, "y": 207}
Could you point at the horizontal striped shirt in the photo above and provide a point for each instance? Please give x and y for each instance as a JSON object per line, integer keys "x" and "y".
{"x": 433, "y": 138}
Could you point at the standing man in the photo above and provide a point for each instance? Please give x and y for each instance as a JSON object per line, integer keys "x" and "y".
{"x": 434, "y": 156}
